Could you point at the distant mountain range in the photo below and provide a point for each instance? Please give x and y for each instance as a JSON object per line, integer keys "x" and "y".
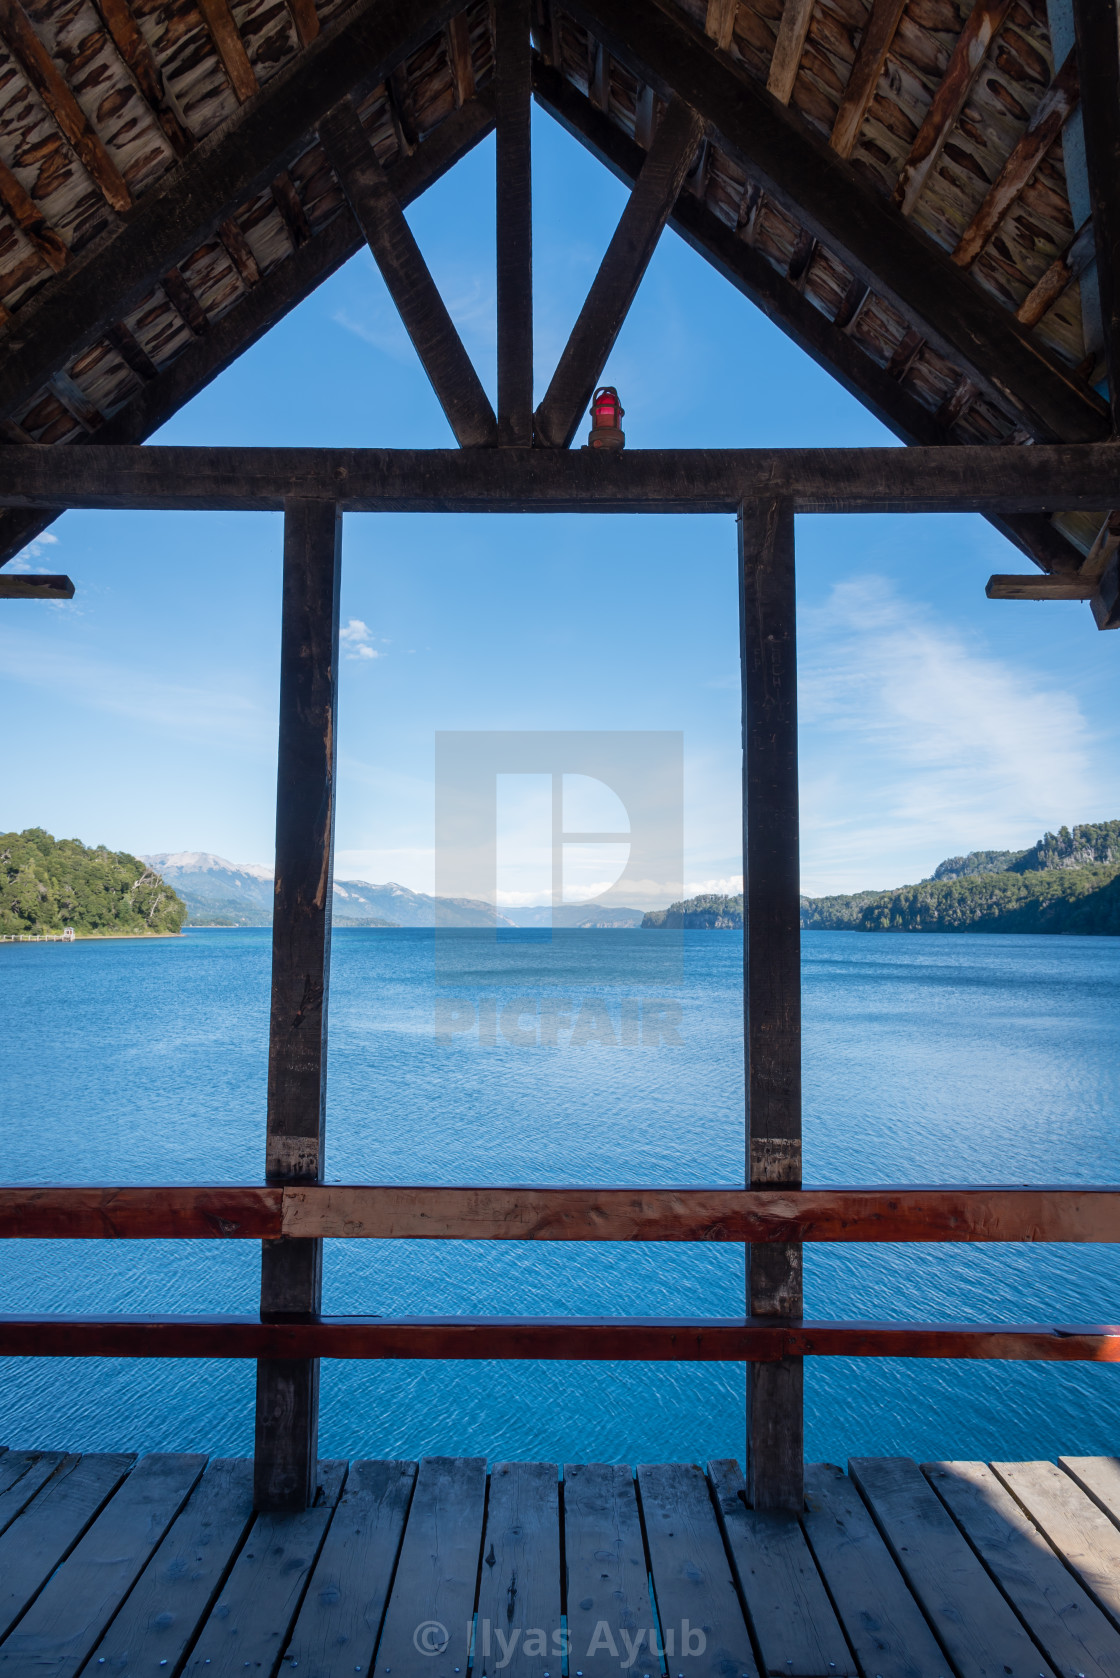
{"x": 221, "y": 893}
{"x": 1067, "y": 882}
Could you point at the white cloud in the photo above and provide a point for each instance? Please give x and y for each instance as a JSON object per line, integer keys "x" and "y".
{"x": 356, "y": 639}
{"x": 917, "y": 743}
{"x": 22, "y": 562}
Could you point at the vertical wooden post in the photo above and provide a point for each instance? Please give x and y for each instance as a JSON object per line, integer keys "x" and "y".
{"x": 1098, "y": 64}
{"x": 771, "y": 976}
{"x": 286, "y": 1464}
{"x": 512, "y": 97}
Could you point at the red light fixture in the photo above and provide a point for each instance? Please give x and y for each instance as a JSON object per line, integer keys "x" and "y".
{"x": 606, "y": 420}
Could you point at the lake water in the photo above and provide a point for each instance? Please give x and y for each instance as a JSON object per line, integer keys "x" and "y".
{"x": 928, "y": 1058}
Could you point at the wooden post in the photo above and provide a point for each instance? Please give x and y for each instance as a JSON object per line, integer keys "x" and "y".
{"x": 286, "y": 1462}
{"x": 513, "y": 61}
{"x": 771, "y": 975}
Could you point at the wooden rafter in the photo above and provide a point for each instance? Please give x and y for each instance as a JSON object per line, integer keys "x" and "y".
{"x": 876, "y": 42}
{"x": 1060, "y": 275}
{"x": 30, "y": 219}
{"x": 1006, "y": 587}
{"x": 42, "y": 72}
{"x": 135, "y": 52}
{"x": 719, "y": 21}
{"x": 1098, "y": 51}
{"x": 279, "y": 291}
{"x": 827, "y": 196}
{"x": 980, "y": 29}
{"x": 306, "y": 19}
{"x": 240, "y": 158}
{"x": 423, "y": 311}
{"x": 829, "y": 343}
{"x": 230, "y": 47}
{"x": 1042, "y": 130}
{"x": 793, "y": 31}
{"x": 512, "y": 95}
{"x": 459, "y": 57}
{"x": 620, "y": 273}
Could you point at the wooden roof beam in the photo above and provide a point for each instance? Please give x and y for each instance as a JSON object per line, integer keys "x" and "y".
{"x": 1034, "y": 587}
{"x": 828, "y": 197}
{"x": 279, "y": 291}
{"x": 980, "y": 29}
{"x": 878, "y": 38}
{"x": 41, "y": 71}
{"x": 829, "y": 343}
{"x": 423, "y": 311}
{"x": 229, "y": 47}
{"x": 512, "y": 97}
{"x": 1098, "y": 51}
{"x": 620, "y": 274}
{"x": 135, "y": 53}
{"x": 1060, "y": 275}
{"x": 238, "y": 159}
{"x": 793, "y": 32}
{"x": 1041, "y": 132}
{"x": 35, "y": 586}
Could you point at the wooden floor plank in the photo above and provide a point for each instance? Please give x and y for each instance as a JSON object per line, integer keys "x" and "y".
{"x": 34, "y": 1545}
{"x": 174, "y": 1593}
{"x": 1099, "y": 1478}
{"x": 438, "y": 1567}
{"x": 519, "y": 1627}
{"x": 1074, "y": 1635}
{"x": 980, "y": 1632}
{"x": 607, "y": 1583}
{"x": 59, "y": 1630}
{"x": 885, "y": 1626}
{"x": 23, "y": 1474}
{"x": 1077, "y": 1527}
{"x": 252, "y": 1619}
{"x": 337, "y": 1627}
{"x": 697, "y": 1602}
{"x": 795, "y": 1628}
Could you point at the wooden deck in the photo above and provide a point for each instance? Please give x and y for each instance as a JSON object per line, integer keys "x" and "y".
{"x": 157, "y": 1565}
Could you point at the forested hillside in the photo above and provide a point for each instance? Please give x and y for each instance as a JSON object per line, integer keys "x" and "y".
{"x": 47, "y": 884}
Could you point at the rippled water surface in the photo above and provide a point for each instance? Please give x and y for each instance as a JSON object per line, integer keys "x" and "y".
{"x": 927, "y": 1059}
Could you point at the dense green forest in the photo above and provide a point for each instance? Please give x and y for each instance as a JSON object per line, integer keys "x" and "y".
{"x": 1068, "y": 882}
{"x": 47, "y": 884}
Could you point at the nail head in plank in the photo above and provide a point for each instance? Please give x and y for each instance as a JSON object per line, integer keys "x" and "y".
{"x": 605, "y": 1564}
{"x": 794, "y": 1625}
{"x": 162, "y": 1612}
{"x": 519, "y": 1585}
{"x": 1080, "y": 1531}
{"x": 885, "y": 1626}
{"x": 981, "y": 1635}
{"x": 1073, "y": 1633}
{"x": 60, "y": 1629}
{"x": 438, "y": 1566}
{"x": 32, "y": 1548}
{"x": 337, "y": 1628}
{"x": 692, "y": 1574}
{"x": 252, "y": 1619}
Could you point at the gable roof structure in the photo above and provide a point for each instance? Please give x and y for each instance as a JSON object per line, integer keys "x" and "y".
{"x": 900, "y": 185}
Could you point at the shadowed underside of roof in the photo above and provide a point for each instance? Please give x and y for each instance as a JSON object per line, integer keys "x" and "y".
{"x": 900, "y": 185}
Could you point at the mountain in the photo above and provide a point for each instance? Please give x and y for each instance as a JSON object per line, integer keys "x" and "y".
{"x": 700, "y": 913}
{"x": 221, "y": 893}
{"x": 47, "y": 884}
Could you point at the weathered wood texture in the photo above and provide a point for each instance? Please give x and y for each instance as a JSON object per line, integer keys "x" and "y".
{"x": 437, "y": 1573}
{"x": 1098, "y": 56}
{"x": 513, "y": 154}
{"x": 831, "y": 202}
{"x": 31, "y": 587}
{"x": 620, "y": 273}
{"x": 1084, "y": 1535}
{"x": 918, "y": 480}
{"x": 33, "y": 1545}
{"x": 378, "y": 212}
{"x": 668, "y": 1339}
{"x": 1031, "y": 587}
{"x": 771, "y": 973}
{"x": 883, "y": 20}
{"x": 291, "y": 1271}
{"x": 519, "y": 1581}
{"x": 605, "y": 1564}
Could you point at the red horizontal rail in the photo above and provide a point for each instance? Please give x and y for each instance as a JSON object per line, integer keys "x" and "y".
{"x": 515, "y": 1213}
{"x": 666, "y": 1339}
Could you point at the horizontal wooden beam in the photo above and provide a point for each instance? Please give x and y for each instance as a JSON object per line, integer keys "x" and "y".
{"x": 827, "y": 196}
{"x": 599, "y": 1339}
{"x": 1035, "y": 587}
{"x": 886, "y": 480}
{"x": 21, "y": 586}
{"x": 407, "y": 1213}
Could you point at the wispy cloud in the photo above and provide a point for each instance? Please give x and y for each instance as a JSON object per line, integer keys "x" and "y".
{"x": 357, "y": 640}
{"x": 24, "y": 561}
{"x": 918, "y": 743}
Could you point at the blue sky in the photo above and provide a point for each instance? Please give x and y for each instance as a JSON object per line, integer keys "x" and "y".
{"x": 143, "y": 714}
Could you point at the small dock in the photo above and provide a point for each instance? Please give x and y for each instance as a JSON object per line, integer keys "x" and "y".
{"x": 158, "y": 1565}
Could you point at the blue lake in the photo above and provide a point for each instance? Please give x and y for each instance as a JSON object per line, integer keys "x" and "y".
{"x": 927, "y": 1059}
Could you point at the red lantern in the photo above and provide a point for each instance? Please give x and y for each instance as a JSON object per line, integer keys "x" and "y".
{"x": 606, "y": 420}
